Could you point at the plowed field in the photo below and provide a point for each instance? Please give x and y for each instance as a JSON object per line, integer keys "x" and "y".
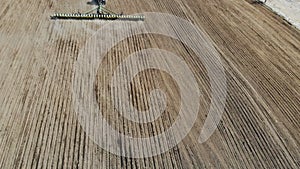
{"x": 260, "y": 51}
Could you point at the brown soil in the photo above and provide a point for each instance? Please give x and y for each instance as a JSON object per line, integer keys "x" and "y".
{"x": 261, "y": 53}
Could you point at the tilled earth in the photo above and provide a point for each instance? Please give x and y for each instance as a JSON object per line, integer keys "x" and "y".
{"x": 260, "y": 51}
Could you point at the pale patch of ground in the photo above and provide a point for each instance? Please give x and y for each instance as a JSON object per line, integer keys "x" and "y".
{"x": 289, "y": 9}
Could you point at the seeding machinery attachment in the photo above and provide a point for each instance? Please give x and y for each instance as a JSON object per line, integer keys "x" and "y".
{"x": 102, "y": 13}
